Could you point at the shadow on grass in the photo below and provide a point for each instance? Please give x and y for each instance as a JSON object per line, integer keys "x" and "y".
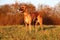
{"x": 49, "y": 27}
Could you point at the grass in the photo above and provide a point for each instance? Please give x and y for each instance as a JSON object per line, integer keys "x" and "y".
{"x": 18, "y": 32}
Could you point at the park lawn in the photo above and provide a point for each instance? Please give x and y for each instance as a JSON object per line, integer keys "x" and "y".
{"x": 18, "y": 32}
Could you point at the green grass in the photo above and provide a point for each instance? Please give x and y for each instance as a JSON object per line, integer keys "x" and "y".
{"x": 18, "y": 32}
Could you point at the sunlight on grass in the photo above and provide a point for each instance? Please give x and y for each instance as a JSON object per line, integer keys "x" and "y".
{"x": 18, "y": 32}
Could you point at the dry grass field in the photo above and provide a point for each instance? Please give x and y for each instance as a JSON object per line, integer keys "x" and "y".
{"x": 18, "y": 32}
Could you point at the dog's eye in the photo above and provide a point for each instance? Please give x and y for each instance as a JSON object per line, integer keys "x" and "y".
{"x": 22, "y": 7}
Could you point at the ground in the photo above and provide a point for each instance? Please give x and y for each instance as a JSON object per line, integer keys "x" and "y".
{"x": 18, "y": 32}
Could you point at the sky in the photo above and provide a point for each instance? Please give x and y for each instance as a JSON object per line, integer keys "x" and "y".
{"x": 34, "y": 2}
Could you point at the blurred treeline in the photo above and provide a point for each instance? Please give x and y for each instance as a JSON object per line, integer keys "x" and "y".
{"x": 10, "y": 13}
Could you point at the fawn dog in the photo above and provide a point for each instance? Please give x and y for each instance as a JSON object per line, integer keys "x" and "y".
{"x": 28, "y": 17}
